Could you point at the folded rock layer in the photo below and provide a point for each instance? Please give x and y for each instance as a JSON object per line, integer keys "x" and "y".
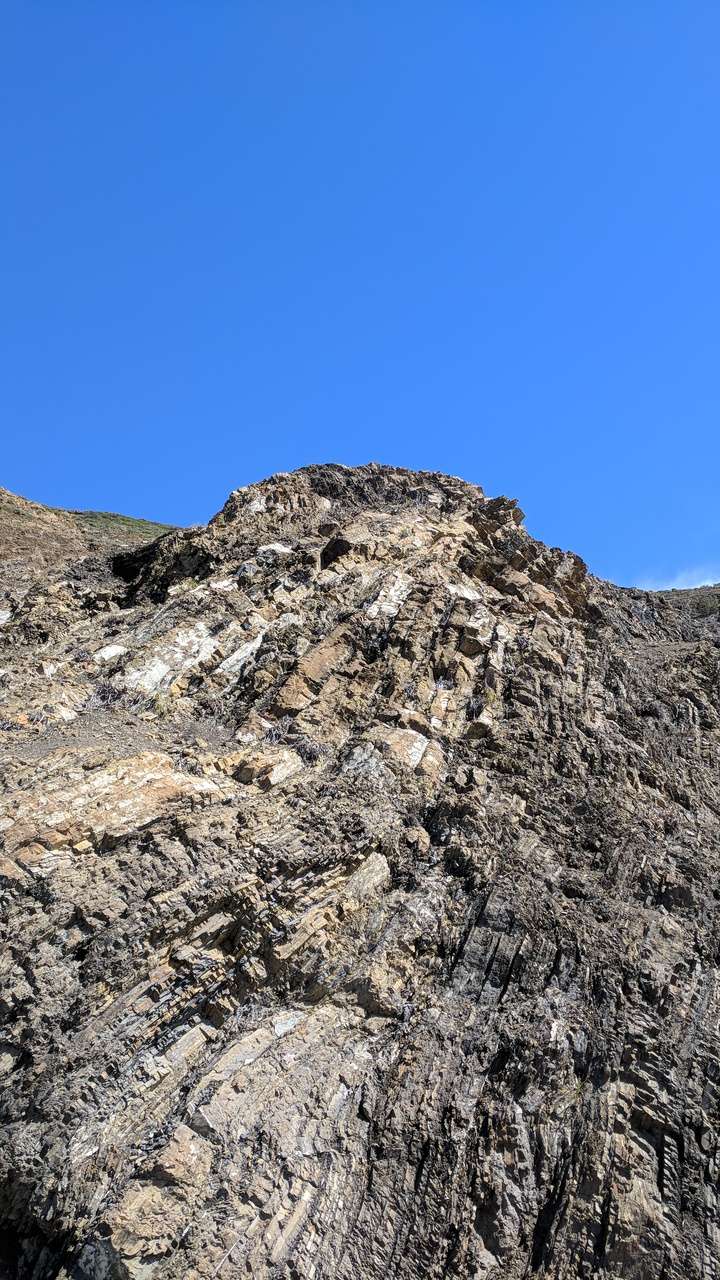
{"x": 360, "y": 884}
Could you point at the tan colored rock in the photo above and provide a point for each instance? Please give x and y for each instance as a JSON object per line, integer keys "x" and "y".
{"x": 185, "y": 1160}
{"x": 268, "y": 766}
{"x": 122, "y": 797}
{"x": 368, "y": 931}
{"x": 411, "y": 750}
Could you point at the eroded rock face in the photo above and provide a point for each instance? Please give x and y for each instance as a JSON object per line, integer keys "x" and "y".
{"x": 360, "y": 873}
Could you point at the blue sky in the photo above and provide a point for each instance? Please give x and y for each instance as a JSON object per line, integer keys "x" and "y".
{"x": 474, "y": 237}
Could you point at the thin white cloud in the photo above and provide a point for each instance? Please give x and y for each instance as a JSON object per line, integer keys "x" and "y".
{"x": 702, "y": 576}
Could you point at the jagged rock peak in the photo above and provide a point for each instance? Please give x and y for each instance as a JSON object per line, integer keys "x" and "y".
{"x": 346, "y": 489}
{"x": 313, "y": 512}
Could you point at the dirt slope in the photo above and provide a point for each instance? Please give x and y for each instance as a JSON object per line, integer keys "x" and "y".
{"x": 32, "y": 534}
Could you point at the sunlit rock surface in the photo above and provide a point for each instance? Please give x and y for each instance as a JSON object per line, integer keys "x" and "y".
{"x": 360, "y": 878}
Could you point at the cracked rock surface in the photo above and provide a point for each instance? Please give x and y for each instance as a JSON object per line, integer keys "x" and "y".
{"x": 360, "y": 888}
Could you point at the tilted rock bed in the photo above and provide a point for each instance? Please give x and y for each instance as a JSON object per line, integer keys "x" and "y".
{"x": 359, "y": 867}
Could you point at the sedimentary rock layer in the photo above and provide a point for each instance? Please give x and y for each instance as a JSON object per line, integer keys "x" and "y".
{"x": 360, "y": 876}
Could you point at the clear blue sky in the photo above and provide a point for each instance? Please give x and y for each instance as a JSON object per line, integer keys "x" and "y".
{"x": 477, "y": 237}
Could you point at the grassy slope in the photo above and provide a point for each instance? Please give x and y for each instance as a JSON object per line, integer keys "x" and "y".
{"x": 38, "y": 534}
{"x": 108, "y": 528}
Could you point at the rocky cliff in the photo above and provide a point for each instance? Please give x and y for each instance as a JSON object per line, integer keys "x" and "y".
{"x": 360, "y": 877}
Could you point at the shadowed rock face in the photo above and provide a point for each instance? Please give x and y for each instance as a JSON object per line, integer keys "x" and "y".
{"x": 360, "y": 872}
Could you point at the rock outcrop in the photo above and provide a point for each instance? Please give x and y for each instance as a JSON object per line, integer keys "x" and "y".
{"x": 360, "y": 877}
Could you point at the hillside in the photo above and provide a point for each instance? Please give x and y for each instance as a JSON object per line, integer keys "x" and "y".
{"x": 360, "y": 875}
{"x": 38, "y": 536}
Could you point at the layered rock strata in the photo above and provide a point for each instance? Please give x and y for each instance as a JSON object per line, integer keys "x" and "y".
{"x": 360, "y": 880}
